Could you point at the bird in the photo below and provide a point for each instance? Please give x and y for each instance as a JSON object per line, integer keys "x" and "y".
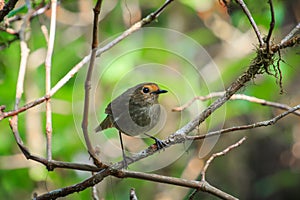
{"x": 136, "y": 111}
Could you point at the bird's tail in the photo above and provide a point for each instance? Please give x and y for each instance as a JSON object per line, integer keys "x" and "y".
{"x": 106, "y": 123}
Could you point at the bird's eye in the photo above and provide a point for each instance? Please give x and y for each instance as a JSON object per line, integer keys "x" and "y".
{"x": 146, "y": 90}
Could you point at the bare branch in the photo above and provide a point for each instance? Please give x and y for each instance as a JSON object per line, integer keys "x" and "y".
{"x": 252, "y": 22}
{"x": 291, "y": 34}
{"x": 222, "y": 153}
{"x": 200, "y": 185}
{"x": 263, "y": 102}
{"x": 48, "y": 64}
{"x": 51, "y": 165}
{"x": 272, "y": 24}
{"x": 245, "y": 127}
{"x": 87, "y": 87}
{"x": 135, "y": 27}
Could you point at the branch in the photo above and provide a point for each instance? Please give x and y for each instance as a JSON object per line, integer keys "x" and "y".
{"x": 148, "y": 19}
{"x": 88, "y": 86}
{"x": 245, "y": 127}
{"x": 209, "y": 161}
{"x": 262, "y": 102}
{"x": 291, "y": 34}
{"x": 200, "y": 185}
{"x": 48, "y": 64}
{"x": 252, "y": 22}
{"x": 222, "y": 153}
{"x": 272, "y": 24}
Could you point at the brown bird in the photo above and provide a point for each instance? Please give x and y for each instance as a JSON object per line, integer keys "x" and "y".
{"x": 134, "y": 112}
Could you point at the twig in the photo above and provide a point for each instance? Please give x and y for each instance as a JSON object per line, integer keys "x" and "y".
{"x": 272, "y": 24}
{"x": 87, "y": 87}
{"x": 48, "y": 64}
{"x": 245, "y": 127}
{"x": 24, "y": 58}
{"x": 291, "y": 34}
{"x": 222, "y": 153}
{"x": 9, "y": 6}
{"x": 263, "y": 102}
{"x": 252, "y": 22}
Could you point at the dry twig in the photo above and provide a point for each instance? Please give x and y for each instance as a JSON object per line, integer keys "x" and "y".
{"x": 88, "y": 86}
{"x": 262, "y": 102}
{"x": 251, "y": 20}
{"x": 48, "y": 65}
{"x": 222, "y": 153}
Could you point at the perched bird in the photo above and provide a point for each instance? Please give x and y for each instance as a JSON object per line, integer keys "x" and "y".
{"x": 134, "y": 112}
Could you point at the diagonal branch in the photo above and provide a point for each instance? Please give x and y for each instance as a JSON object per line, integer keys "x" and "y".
{"x": 272, "y": 24}
{"x": 291, "y": 34}
{"x": 222, "y": 153}
{"x": 245, "y": 127}
{"x": 252, "y": 22}
{"x": 262, "y": 102}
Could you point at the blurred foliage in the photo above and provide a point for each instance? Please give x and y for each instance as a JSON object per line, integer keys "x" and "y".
{"x": 266, "y": 166}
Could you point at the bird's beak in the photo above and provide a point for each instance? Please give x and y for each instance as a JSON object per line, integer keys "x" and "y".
{"x": 159, "y": 91}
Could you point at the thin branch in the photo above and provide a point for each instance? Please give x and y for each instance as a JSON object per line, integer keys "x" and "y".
{"x": 209, "y": 161}
{"x": 244, "y": 127}
{"x": 135, "y": 27}
{"x": 51, "y": 165}
{"x": 262, "y": 102}
{"x": 222, "y": 153}
{"x": 272, "y": 24}
{"x": 291, "y": 34}
{"x": 48, "y": 64}
{"x": 24, "y": 58}
{"x": 87, "y": 87}
{"x": 9, "y": 6}
{"x": 252, "y": 22}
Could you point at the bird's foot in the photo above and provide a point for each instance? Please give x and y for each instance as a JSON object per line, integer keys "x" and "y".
{"x": 159, "y": 143}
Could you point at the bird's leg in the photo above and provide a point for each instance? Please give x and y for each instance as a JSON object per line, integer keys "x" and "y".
{"x": 123, "y": 151}
{"x": 160, "y": 144}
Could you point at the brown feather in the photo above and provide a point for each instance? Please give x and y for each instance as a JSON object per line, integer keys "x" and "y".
{"x": 106, "y": 123}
